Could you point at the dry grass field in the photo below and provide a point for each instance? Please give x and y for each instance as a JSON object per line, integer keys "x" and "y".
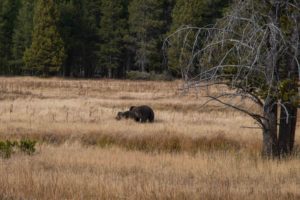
{"x": 190, "y": 151}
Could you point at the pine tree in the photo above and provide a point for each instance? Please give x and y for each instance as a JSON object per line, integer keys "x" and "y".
{"x": 22, "y": 34}
{"x": 192, "y": 13}
{"x": 8, "y": 14}
{"x": 168, "y": 7}
{"x": 197, "y": 13}
{"x": 185, "y": 13}
{"x": 89, "y": 36}
{"x": 46, "y": 54}
{"x": 71, "y": 20}
{"x": 146, "y": 26}
{"x": 79, "y": 25}
{"x": 113, "y": 29}
{"x": 128, "y": 55}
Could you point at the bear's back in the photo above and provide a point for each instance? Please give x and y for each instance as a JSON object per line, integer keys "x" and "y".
{"x": 144, "y": 111}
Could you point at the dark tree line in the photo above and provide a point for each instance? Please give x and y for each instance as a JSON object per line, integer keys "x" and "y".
{"x": 88, "y": 38}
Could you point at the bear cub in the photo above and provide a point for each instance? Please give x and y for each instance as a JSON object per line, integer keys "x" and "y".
{"x": 138, "y": 113}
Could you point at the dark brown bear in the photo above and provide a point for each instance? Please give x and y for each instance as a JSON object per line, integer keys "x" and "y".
{"x": 138, "y": 113}
{"x": 144, "y": 113}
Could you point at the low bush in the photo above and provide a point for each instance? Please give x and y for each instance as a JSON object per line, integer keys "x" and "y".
{"x": 165, "y": 76}
{"x": 137, "y": 75}
{"x": 7, "y": 148}
{"x": 27, "y": 146}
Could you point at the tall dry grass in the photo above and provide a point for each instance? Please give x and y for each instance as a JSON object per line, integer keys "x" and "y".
{"x": 190, "y": 152}
{"x": 72, "y": 171}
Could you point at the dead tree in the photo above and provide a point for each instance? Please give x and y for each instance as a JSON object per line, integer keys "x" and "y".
{"x": 254, "y": 50}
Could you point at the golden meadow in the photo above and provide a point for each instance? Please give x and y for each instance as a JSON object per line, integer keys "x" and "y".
{"x": 191, "y": 151}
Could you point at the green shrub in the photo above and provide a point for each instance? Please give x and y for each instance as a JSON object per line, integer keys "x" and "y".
{"x": 7, "y": 148}
{"x": 27, "y": 146}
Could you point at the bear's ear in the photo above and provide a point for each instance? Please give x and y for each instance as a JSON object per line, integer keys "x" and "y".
{"x": 131, "y": 108}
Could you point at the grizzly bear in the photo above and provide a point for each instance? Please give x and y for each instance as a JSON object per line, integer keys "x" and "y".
{"x": 138, "y": 113}
{"x": 144, "y": 113}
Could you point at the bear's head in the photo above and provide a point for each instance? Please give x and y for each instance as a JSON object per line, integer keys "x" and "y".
{"x": 119, "y": 115}
{"x": 128, "y": 115}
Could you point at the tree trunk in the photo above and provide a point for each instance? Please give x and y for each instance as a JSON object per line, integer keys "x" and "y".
{"x": 287, "y": 129}
{"x": 109, "y": 73}
{"x": 288, "y": 117}
{"x": 143, "y": 66}
{"x": 270, "y": 141}
{"x": 293, "y": 129}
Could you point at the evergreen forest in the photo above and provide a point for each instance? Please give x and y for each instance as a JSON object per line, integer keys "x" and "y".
{"x": 96, "y": 38}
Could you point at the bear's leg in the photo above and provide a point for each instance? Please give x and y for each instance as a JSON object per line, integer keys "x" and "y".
{"x": 143, "y": 119}
{"x": 137, "y": 119}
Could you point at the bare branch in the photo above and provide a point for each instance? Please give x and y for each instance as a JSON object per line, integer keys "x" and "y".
{"x": 257, "y": 117}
